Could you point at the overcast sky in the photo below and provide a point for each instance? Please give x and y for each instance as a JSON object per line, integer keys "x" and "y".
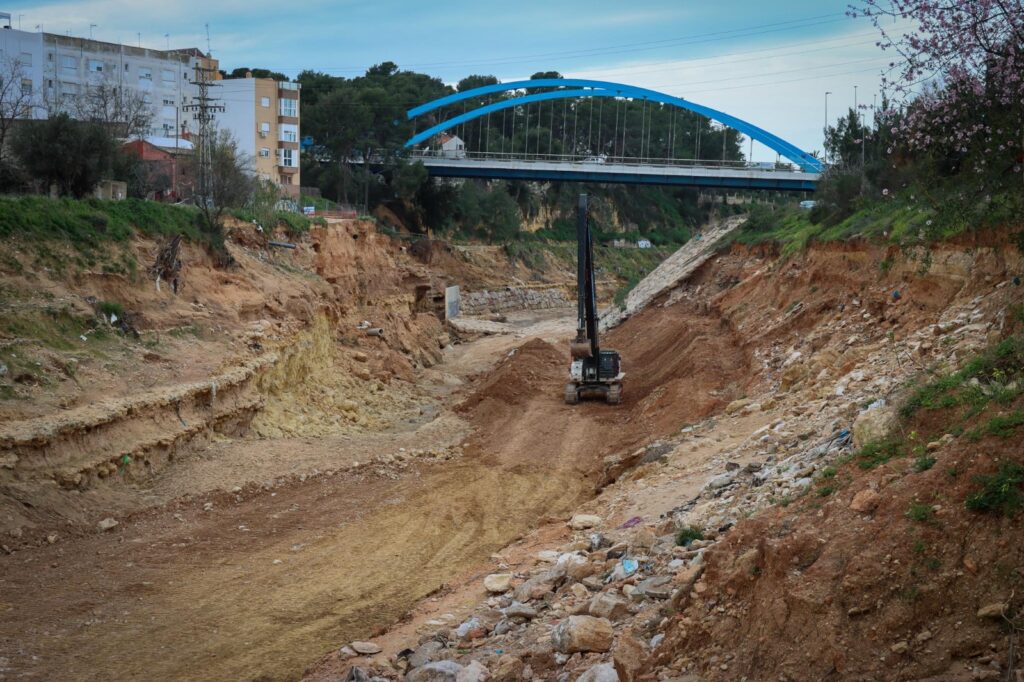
{"x": 767, "y": 62}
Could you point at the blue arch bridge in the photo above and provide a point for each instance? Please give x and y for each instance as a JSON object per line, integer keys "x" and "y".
{"x": 608, "y": 158}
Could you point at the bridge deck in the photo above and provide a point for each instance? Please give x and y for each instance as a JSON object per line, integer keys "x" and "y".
{"x": 620, "y": 173}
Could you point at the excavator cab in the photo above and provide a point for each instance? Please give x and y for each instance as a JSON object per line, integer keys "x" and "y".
{"x": 593, "y": 372}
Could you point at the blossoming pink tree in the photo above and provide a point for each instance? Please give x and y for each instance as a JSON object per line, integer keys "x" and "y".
{"x": 960, "y": 71}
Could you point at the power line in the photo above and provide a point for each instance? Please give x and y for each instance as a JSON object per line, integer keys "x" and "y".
{"x": 694, "y": 39}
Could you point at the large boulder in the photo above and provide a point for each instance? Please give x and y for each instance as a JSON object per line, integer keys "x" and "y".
{"x": 608, "y": 605}
{"x": 873, "y": 424}
{"x": 628, "y": 657}
{"x": 582, "y": 634}
{"x": 539, "y": 585}
{"x": 497, "y": 583}
{"x": 439, "y": 671}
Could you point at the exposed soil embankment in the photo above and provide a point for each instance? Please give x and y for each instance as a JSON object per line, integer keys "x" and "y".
{"x": 743, "y": 383}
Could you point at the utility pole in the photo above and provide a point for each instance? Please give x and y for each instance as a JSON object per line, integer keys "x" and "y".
{"x": 825, "y": 146}
{"x": 204, "y": 109}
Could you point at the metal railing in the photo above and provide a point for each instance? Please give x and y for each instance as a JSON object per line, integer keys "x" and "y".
{"x": 592, "y": 160}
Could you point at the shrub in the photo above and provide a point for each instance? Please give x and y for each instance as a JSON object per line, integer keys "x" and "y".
{"x": 1000, "y": 492}
{"x": 920, "y": 512}
{"x": 924, "y": 463}
{"x": 688, "y": 534}
{"x": 877, "y": 453}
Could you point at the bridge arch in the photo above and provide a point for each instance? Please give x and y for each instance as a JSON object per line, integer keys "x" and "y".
{"x": 576, "y": 87}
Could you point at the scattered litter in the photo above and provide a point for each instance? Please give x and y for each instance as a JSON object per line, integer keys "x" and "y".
{"x": 632, "y": 522}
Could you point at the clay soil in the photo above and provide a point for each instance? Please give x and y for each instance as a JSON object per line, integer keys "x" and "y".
{"x": 263, "y": 581}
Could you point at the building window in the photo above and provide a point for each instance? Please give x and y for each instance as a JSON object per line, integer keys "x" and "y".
{"x": 264, "y": 101}
{"x": 26, "y": 86}
{"x": 289, "y": 132}
{"x": 264, "y": 129}
{"x": 167, "y": 75}
{"x": 95, "y": 66}
{"x": 289, "y": 107}
{"x": 126, "y": 66}
{"x": 69, "y": 64}
{"x": 264, "y": 152}
{"x": 145, "y": 74}
{"x": 25, "y": 59}
{"x": 287, "y": 158}
{"x": 168, "y": 102}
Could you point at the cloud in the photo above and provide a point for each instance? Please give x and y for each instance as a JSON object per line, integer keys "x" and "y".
{"x": 781, "y": 89}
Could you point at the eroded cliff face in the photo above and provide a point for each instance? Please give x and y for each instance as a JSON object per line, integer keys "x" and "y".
{"x": 275, "y": 346}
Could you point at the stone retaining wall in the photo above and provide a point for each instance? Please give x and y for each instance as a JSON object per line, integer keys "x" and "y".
{"x": 514, "y": 298}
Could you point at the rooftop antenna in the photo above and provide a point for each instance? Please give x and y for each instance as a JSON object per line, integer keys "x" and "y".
{"x": 167, "y": 37}
{"x": 209, "y": 52}
{"x": 91, "y": 27}
{"x": 138, "y": 36}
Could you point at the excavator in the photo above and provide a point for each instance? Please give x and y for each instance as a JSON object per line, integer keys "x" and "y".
{"x": 593, "y": 373}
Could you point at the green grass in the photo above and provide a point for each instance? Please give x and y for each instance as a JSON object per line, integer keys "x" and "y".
{"x": 1001, "y": 426}
{"x": 91, "y": 223}
{"x": 914, "y": 215}
{"x": 924, "y": 463}
{"x": 688, "y": 534}
{"x": 920, "y": 512}
{"x": 877, "y": 453}
{"x": 56, "y": 329}
{"x": 1001, "y": 492}
{"x": 995, "y": 371}
{"x": 109, "y": 308}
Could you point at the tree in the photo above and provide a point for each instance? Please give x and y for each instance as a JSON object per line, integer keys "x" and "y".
{"x": 16, "y": 101}
{"x": 972, "y": 54}
{"x": 231, "y": 184}
{"x": 122, "y": 111}
{"x": 71, "y": 155}
{"x": 242, "y": 71}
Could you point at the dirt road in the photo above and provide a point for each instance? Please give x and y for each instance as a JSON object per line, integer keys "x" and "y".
{"x": 263, "y": 582}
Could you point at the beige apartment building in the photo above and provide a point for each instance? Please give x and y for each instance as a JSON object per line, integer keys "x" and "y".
{"x": 263, "y": 116}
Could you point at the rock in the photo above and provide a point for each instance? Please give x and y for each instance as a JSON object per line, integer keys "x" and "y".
{"x": 721, "y": 480}
{"x": 497, "y": 583}
{"x": 899, "y": 647}
{"x": 584, "y": 521}
{"x": 537, "y": 586}
{"x": 736, "y": 405}
{"x": 582, "y": 633}
{"x": 995, "y": 610}
{"x": 471, "y": 629}
{"x": 517, "y": 610}
{"x": 106, "y": 524}
{"x": 655, "y": 587}
{"x": 579, "y": 591}
{"x": 628, "y": 657}
{"x": 438, "y": 671}
{"x": 865, "y": 501}
{"x": 607, "y": 605}
{"x": 873, "y": 424}
{"x": 509, "y": 668}
{"x": 365, "y": 648}
{"x": 425, "y": 653}
{"x": 602, "y": 672}
{"x": 474, "y": 671}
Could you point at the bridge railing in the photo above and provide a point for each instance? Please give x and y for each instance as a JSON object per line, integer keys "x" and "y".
{"x": 592, "y": 160}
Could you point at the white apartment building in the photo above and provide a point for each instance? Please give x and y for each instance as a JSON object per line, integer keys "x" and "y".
{"x": 21, "y": 57}
{"x": 162, "y": 78}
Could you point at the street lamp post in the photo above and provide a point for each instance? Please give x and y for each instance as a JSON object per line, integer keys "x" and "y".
{"x": 825, "y": 146}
